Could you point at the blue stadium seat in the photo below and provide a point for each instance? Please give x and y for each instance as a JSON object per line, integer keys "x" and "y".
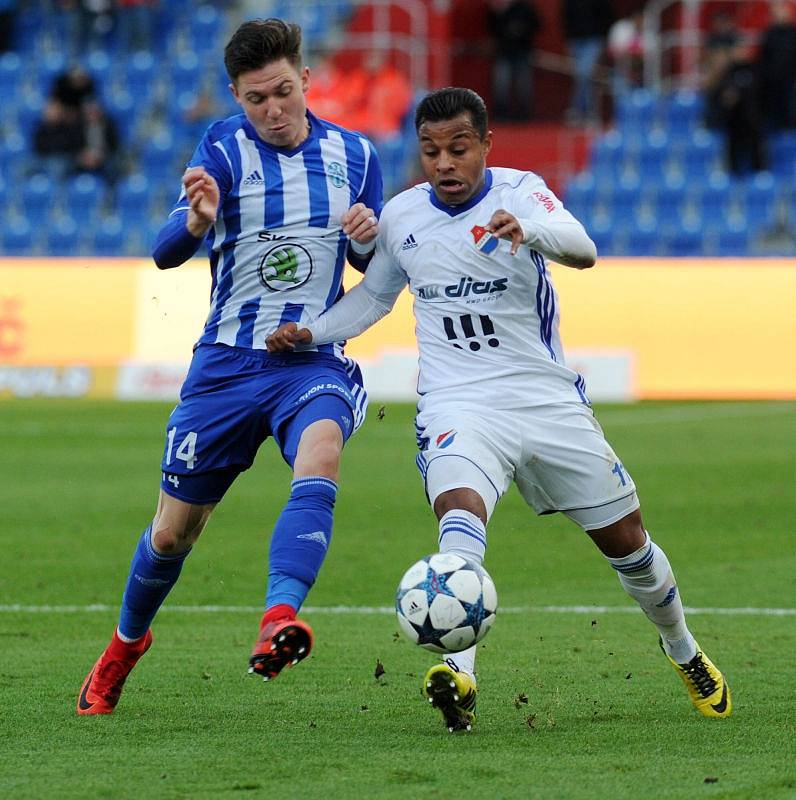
{"x": 636, "y": 111}
{"x": 732, "y": 239}
{"x": 99, "y": 64}
{"x": 11, "y": 74}
{"x": 206, "y": 23}
{"x": 84, "y": 196}
{"x": 782, "y": 150}
{"x": 49, "y": 66}
{"x": 122, "y": 107}
{"x": 186, "y": 70}
{"x": 63, "y": 237}
{"x": 158, "y": 156}
{"x": 133, "y": 195}
{"x": 684, "y": 112}
{"x": 38, "y": 195}
{"x": 142, "y": 69}
{"x": 17, "y": 237}
{"x": 109, "y": 237}
{"x": 685, "y": 239}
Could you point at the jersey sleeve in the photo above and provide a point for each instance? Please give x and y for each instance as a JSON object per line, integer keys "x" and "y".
{"x": 372, "y": 192}
{"x": 370, "y": 300}
{"x": 174, "y": 244}
{"x": 549, "y": 228}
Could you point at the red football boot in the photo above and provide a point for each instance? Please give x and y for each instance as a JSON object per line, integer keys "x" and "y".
{"x": 282, "y": 643}
{"x": 103, "y": 686}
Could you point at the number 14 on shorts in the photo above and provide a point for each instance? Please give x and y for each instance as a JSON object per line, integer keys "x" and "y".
{"x": 186, "y": 451}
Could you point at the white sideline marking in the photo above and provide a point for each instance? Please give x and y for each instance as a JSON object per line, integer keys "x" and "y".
{"x": 746, "y": 611}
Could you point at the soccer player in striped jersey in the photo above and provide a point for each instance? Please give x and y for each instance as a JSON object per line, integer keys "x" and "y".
{"x": 281, "y": 199}
{"x": 497, "y": 401}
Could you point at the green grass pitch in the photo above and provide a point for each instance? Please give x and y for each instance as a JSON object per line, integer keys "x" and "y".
{"x": 571, "y": 704}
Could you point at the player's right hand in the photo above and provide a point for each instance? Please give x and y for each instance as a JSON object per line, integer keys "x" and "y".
{"x": 286, "y": 337}
{"x": 203, "y": 196}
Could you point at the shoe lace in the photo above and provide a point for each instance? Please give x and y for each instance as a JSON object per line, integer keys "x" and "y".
{"x": 697, "y": 672}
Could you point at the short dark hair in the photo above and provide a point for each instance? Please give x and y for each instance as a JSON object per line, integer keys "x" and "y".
{"x": 259, "y": 42}
{"x": 450, "y": 102}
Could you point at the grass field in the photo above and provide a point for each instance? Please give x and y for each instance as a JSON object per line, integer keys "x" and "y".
{"x": 573, "y": 703}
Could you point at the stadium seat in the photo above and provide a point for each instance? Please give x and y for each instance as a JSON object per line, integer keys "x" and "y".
{"x": 109, "y": 237}
{"x": 37, "y": 196}
{"x": 84, "y": 196}
{"x": 133, "y": 195}
{"x": 17, "y": 237}
{"x": 636, "y": 111}
{"x": 63, "y": 236}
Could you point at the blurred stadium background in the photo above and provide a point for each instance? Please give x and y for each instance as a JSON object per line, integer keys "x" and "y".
{"x": 646, "y": 176}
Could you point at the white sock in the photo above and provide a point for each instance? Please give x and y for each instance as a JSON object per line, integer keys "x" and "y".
{"x": 464, "y": 534}
{"x": 647, "y": 577}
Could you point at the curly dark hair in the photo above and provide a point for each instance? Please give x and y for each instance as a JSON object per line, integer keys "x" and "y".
{"x": 259, "y": 42}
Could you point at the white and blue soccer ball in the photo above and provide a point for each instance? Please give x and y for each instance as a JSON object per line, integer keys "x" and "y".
{"x": 445, "y": 603}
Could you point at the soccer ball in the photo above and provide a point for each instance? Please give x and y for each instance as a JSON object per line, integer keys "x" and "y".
{"x": 445, "y": 604}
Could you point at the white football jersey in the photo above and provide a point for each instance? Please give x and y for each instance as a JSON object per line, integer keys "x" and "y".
{"x": 486, "y": 321}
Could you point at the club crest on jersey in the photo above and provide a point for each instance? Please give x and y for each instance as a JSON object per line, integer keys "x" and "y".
{"x": 336, "y": 173}
{"x": 483, "y": 239}
{"x": 445, "y": 439}
{"x": 285, "y": 266}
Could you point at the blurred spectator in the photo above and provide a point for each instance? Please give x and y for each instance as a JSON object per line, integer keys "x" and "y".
{"x": 73, "y": 88}
{"x": 777, "y": 64}
{"x": 626, "y": 48}
{"x": 722, "y": 38}
{"x": 733, "y": 107}
{"x": 134, "y": 24}
{"x": 586, "y": 24}
{"x": 100, "y": 145}
{"x": 75, "y": 134}
{"x": 512, "y": 26}
{"x": 57, "y": 139}
{"x": 384, "y": 100}
{"x": 8, "y": 14}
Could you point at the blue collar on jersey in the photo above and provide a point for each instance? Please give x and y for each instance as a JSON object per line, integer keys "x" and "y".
{"x": 316, "y": 131}
{"x": 452, "y": 211}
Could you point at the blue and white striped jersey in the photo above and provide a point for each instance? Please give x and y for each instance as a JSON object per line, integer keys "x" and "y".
{"x": 277, "y": 249}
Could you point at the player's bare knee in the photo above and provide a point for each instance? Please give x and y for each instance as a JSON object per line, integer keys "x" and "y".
{"x": 462, "y": 499}
{"x": 621, "y": 538}
{"x": 174, "y": 533}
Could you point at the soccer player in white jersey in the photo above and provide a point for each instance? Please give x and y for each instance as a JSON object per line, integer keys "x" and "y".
{"x": 497, "y": 401}
{"x": 281, "y": 199}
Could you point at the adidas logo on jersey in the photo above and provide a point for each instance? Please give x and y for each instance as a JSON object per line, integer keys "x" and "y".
{"x": 409, "y": 242}
{"x": 255, "y": 179}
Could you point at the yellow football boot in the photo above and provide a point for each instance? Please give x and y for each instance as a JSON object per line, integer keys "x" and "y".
{"x": 706, "y": 686}
{"x": 453, "y": 693}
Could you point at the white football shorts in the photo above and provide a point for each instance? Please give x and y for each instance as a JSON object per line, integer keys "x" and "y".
{"x": 557, "y": 455}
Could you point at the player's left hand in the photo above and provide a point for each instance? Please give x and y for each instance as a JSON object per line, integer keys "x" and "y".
{"x": 505, "y": 226}
{"x": 360, "y": 223}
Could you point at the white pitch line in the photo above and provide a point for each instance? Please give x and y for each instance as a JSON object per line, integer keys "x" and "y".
{"x": 744, "y": 611}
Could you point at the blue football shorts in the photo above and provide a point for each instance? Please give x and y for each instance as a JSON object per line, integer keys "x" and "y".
{"x": 233, "y": 399}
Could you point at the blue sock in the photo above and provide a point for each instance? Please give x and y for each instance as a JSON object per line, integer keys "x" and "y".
{"x": 151, "y": 577}
{"x": 300, "y": 540}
